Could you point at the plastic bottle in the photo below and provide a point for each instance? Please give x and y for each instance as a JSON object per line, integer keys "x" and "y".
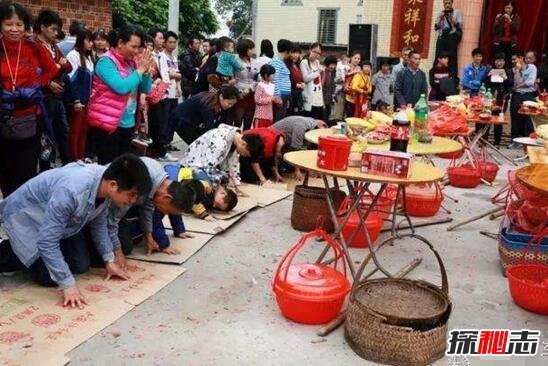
{"x": 399, "y": 132}
{"x": 482, "y": 90}
{"x": 421, "y": 115}
{"x": 487, "y": 101}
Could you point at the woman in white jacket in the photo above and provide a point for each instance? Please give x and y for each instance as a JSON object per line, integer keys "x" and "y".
{"x": 312, "y": 77}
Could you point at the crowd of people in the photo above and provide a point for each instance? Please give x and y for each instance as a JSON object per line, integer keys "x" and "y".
{"x": 96, "y": 96}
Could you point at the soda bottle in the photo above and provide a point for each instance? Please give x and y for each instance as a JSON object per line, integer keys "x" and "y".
{"x": 421, "y": 114}
{"x": 399, "y": 133}
{"x": 482, "y": 90}
{"x": 487, "y": 101}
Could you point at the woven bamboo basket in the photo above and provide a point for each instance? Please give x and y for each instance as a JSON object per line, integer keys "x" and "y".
{"x": 310, "y": 204}
{"x": 399, "y": 321}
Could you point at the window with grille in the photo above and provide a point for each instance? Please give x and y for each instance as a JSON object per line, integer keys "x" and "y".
{"x": 327, "y": 26}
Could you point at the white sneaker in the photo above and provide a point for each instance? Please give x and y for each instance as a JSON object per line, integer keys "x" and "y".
{"x": 167, "y": 158}
{"x": 138, "y": 141}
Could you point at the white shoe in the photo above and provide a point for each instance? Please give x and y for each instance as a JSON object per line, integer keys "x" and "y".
{"x": 167, "y": 158}
{"x": 138, "y": 141}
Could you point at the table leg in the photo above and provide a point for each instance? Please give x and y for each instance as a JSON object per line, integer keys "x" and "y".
{"x": 338, "y": 226}
{"x": 494, "y": 148}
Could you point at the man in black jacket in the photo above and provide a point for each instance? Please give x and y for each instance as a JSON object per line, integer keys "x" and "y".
{"x": 410, "y": 82}
{"x": 190, "y": 65}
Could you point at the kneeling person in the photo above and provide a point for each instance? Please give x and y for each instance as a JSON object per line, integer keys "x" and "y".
{"x": 43, "y": 217}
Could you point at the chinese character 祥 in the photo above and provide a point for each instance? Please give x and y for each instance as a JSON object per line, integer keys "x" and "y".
{"x": 462, "y": 342}
{"x": 414, "y": 2}
{"x": 409, "y": 37}
{"x": 412, "y": 16}
{"x": 493, "y": 342}
{"x": 523, "y": 342}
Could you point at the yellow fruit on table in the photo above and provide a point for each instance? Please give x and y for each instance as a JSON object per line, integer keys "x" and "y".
{"x": 380, "y": 118}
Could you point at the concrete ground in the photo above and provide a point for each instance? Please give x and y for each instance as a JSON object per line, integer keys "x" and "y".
{"x": 222, "y": 311}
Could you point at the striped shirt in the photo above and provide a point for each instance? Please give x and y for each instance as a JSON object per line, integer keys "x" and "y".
{"x": 282, "y": 81}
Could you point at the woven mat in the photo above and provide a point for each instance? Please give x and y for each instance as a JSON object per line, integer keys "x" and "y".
{"x": 35, "y": 329}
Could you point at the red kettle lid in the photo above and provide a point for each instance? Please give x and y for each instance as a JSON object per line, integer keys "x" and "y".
{"x": 312, "y": 282}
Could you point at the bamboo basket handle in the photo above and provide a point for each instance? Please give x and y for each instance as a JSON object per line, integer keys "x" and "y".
{"x": 443, "y": 272}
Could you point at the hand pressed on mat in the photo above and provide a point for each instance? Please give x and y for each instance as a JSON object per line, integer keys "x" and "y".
{"x": 113, "y": 270}
{"x": 120, "y": 259}
{"x": 73, "y": 298}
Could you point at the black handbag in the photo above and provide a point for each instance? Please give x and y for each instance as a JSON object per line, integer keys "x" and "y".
{"x": 18, "y": 128}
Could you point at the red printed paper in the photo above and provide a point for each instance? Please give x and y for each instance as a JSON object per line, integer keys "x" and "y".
{"x": 391, "y": 164}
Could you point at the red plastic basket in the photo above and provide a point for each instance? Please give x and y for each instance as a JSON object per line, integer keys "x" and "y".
{"x": 422, "y": 206}
{"x": 528, "y": 282}
{"x": 489, "y": 171}
{"x": 373, "y": 223}
{"x": 451, "y": 155}
{"x": 384, "y": 204}
{"x": 528, "y": 285}
{"x": 464, "y": 176}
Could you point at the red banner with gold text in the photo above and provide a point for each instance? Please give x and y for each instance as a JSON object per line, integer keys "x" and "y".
{"x": 411, "y": 26}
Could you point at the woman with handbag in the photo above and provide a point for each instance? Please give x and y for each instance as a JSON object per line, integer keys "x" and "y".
{"x": 117, "y": 82}
{"x": 25, "y": 67}
{"x": 79, "y": 90}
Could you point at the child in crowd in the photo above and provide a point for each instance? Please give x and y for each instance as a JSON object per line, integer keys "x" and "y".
{"x": 361, "y": 86}
{"x": 264, "y": 97}
{"x": 209, "y": 195}
{"x": 382, "y": 81}
{"x": 228, "y": 63}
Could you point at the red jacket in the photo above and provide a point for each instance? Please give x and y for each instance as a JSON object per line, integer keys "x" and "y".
{"x": 270, "y": 138}
{"x": 36, "y": 66}
{"x": 56, "y": 56}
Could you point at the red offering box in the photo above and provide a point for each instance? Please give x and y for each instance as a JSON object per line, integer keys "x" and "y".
{"x": 393, "y": 164}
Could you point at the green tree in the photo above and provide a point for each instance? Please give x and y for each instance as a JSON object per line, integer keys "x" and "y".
{"x": 195, "y": 16}
{"x": 241, "y": 20}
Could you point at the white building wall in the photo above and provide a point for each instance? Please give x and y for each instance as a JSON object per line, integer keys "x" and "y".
{"x": 300, "y": 22}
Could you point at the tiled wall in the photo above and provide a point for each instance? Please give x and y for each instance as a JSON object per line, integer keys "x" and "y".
{"x": 472, "y": 12}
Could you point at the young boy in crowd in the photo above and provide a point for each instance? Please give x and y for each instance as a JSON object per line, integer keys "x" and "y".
{"x": 44, "y": 218}
{"x": 264, "y": 98}
{"x": 227, "y": 63}
{"x": 500, "y": 80}
{"x": 474, "y": 74}
{"x": 208, "y": 196}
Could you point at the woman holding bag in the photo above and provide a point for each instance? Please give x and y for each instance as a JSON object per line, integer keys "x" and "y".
{"x": 25, "y": 67}
{"x": 117, "y": 82}
{"x": 312, "y": 93}
{"x": 79, "y": 91}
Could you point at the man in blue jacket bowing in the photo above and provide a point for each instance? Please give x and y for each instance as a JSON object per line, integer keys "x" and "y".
{"x": 44, "y": 217}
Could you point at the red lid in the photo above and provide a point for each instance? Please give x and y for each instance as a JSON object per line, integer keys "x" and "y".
{"x": 335, "y": 138}
{"x": 312, "y": 282}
